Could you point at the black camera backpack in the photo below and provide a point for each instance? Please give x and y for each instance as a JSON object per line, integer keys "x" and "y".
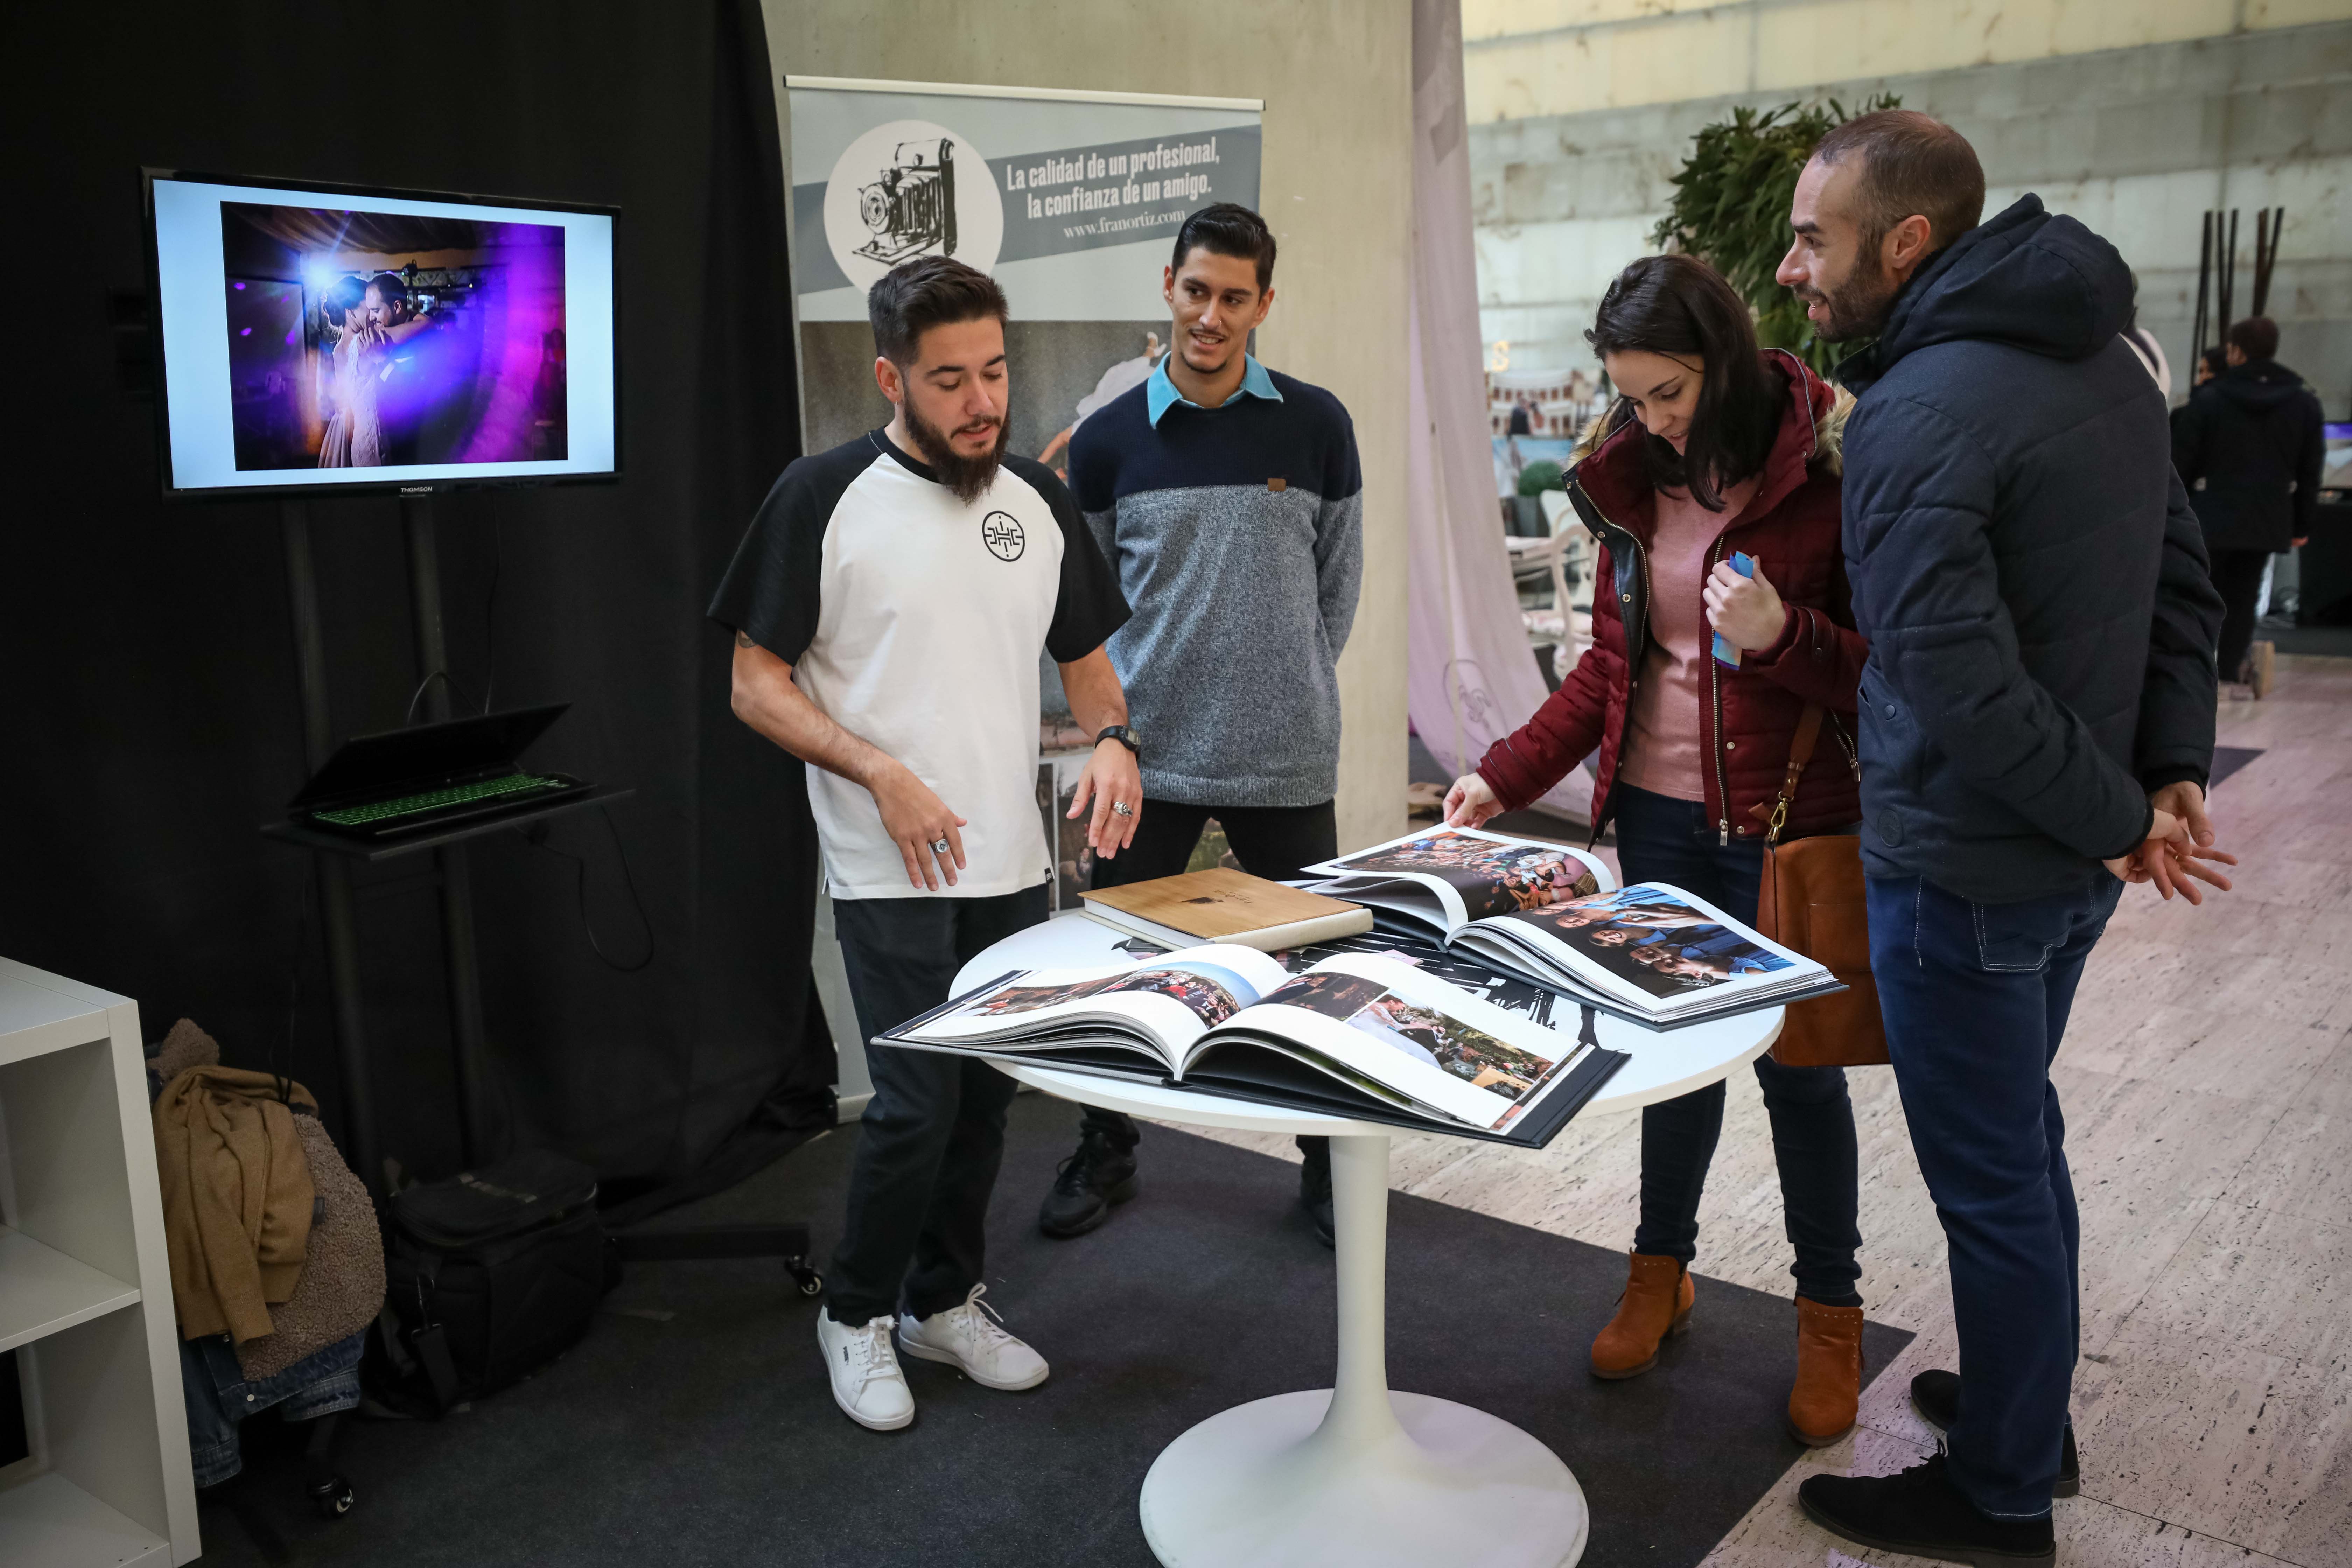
{"x": 492, "y": 1273}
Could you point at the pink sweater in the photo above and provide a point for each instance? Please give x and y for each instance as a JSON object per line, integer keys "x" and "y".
{"x": 1662, "y": 727}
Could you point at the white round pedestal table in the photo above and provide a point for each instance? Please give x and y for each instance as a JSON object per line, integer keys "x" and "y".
{"x": 1357, "y": 1474}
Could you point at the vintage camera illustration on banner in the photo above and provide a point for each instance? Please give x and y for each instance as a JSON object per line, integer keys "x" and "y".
{"x": 909, "y": 188}
{"x": 912, "y": 206}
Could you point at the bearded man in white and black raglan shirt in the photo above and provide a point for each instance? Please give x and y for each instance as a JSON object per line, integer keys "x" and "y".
{"x": 1229, "y": 499}
{"x": 889, "y": 604}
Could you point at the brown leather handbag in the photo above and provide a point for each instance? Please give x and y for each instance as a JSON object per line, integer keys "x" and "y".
{"x": 1813, "y": 901}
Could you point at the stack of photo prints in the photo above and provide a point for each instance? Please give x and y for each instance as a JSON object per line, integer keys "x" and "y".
{"x": 1445, "y": 1019}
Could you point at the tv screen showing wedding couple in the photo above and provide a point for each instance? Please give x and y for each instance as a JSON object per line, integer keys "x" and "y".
{"x": 380, "y": 340}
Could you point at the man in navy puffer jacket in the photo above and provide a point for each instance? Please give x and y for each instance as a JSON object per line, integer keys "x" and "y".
{"x": 2036, "y": 725}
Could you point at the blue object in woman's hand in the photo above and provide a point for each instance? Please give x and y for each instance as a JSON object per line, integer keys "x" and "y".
{"x": 1724, "y": 654}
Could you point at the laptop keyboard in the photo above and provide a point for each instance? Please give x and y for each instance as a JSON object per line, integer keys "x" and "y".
{"x": 433, "y": 800}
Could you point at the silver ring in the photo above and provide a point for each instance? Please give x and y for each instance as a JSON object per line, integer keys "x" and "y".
{"x": 938, "y": 845}
{"x": 1121, "y": 808}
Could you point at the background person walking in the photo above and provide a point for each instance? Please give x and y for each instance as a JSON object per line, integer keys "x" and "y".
{"x": 2249, "y": 444}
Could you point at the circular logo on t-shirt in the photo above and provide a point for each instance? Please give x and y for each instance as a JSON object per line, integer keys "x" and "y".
{"x": 1000, "y": 531}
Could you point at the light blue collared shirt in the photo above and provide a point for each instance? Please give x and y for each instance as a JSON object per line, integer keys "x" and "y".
{"x": 1160, "y": 393}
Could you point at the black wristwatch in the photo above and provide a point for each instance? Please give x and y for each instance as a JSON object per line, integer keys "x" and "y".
{"x": 1124, "y": 736}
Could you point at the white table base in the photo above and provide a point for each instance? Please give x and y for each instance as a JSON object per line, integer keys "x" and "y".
{"x": 1358, "y": 1475}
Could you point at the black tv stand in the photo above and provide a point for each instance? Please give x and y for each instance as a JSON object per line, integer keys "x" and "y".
{"x": 334, "y": 855}
{"x": 452, "y": 874}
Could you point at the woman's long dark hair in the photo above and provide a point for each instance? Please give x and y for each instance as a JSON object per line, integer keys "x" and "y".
{"x": 1680, "y": 307}
{"x": 341, "y": 297}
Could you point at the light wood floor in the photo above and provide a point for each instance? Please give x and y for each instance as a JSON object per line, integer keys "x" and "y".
{"x": 2207, "y": 1083}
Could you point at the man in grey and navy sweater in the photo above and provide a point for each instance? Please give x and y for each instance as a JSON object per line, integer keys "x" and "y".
{"x": 1228, "y": 498}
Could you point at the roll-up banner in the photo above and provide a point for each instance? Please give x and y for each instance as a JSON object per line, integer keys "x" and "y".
{"x": 1070, "y": 200}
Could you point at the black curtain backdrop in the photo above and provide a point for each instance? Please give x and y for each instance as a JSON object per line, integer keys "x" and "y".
{"x": 155, "y": 720}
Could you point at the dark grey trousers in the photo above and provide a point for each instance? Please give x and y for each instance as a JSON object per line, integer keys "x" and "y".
{"x": 933, "y": 1134}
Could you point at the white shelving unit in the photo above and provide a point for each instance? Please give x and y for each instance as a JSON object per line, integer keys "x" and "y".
{"x": 85, "y": 1288}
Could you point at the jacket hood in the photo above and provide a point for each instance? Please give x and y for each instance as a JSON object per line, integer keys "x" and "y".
{"x": 2258, "y": 385}
{"x": 2032, "y": 278}
{"x": 1606, "y": 459}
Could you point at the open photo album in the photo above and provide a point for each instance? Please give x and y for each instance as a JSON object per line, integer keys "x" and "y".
{"x": 1442, "y": 879}
{"x": 1357, "y": 1034}
{"x": 1458, "y": 967}
{"x": 1652, "y": 953}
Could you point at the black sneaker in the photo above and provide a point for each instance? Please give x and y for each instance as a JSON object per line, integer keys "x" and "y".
{"x": 1935, "y": 1395}
{"x": 1086, "y": 1185}
{"x": 1921, "y": 1512}
{"x": 1315, "y": 1193}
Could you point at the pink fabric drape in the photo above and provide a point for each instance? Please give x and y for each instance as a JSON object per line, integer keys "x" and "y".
{"x": 1471, "y": 677}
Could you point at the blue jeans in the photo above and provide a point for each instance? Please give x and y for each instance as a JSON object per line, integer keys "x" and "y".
{"x": 1659, "y": 839}
{"x": 218, "y": 1397}
{"x": 1976, "y": 997}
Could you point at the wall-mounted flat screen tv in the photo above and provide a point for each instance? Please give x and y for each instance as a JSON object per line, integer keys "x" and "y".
{"x": 318, "y": 337}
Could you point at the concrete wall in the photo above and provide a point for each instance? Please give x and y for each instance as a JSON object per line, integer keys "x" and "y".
{"x": 1528, "y": 58}
{"x": 1335, "y": 76}
{"x": 2136, "y": 142}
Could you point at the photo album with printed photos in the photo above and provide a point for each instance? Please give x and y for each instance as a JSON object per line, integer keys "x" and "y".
{"x": 1650, "y": 952}
{"x": 1444, "y": 877}
{"x": 1360, "y": 1034}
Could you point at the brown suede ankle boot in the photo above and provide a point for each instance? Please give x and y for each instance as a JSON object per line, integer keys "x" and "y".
{"x": 1656, "y": 1303}
{"x": 1829, "y": 1374}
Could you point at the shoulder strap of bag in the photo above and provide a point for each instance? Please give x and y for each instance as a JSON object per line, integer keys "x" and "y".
{"x": 1801, "y": 751}
{"x": 426, "y": 1341}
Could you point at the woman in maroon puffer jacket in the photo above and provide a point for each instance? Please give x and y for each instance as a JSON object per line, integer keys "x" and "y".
{"x": 1711, "y": 449}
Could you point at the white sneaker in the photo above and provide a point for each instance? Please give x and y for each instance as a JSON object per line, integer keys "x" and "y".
{"x": 866, "y": 1382}
{"x": 969, "y": 1337}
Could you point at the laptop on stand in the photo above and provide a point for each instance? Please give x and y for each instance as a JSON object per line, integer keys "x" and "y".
{"x": 431, "y": 776}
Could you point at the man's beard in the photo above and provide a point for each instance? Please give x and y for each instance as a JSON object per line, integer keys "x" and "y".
{"x": 969, "y": 478}
{"x": 1858, "y": 308}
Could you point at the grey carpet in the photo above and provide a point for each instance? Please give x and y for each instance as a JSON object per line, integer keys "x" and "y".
{"x": 2228, "y": 759}
{"x": 693, "y": 1425}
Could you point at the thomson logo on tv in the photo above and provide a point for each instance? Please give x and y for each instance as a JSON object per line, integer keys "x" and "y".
{"x": 416, "y": 489}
